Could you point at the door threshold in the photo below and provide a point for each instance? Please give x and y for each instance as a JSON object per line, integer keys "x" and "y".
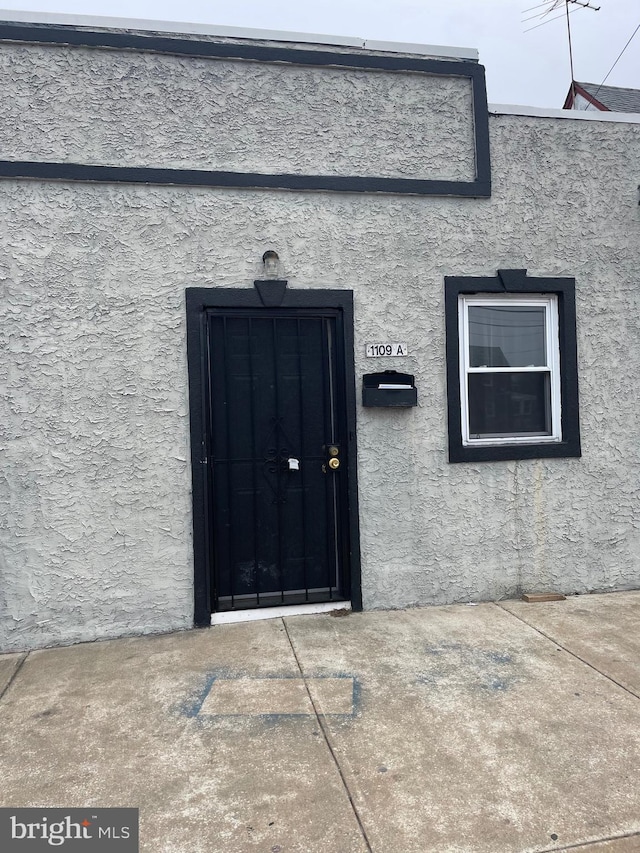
{"x": 231, "y": 616}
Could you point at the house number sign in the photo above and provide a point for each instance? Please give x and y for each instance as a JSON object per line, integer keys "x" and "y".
{"x": 376, "y": 350}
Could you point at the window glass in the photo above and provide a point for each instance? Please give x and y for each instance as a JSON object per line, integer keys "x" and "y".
{"x": 507, "y": 336}
{"x": 509, "y": 404}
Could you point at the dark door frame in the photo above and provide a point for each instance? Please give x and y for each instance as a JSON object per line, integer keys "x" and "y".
{"x": 198, "y": 300}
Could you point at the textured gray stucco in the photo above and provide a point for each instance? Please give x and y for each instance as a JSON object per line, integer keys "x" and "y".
{"x": 95, "y": 514}
{"x": 138, "y": 109}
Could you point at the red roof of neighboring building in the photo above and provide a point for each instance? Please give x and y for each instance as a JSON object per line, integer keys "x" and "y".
{"x": 613, "y": 98}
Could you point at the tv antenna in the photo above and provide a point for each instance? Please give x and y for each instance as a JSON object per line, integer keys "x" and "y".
{"x": 543, "y": 10}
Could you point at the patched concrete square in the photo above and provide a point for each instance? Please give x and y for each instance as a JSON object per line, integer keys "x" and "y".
{"x": 257, "y": 697}
{"x": 278, "y": 696}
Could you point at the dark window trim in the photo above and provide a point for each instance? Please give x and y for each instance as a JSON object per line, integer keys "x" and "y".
{"x": 198, "y": 300}
{"x": 68, "y": 36}
{"x": 515, "y": 281}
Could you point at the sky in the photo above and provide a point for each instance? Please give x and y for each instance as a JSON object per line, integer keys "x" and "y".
{"x": 526, "y": 68}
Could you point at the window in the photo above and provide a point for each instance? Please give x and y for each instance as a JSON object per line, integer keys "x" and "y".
{"x": 509, "y": 369}
{"x": 511, "y": 364}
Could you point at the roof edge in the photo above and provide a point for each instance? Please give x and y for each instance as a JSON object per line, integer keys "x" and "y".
{"x": 578, "y": 115}
{"x": 10, "y": 16}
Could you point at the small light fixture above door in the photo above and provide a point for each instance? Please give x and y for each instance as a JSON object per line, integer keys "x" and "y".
{"x": 271, "y": 289}
{"x": 271, "y": 262}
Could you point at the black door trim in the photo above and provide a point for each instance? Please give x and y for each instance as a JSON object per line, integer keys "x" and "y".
{"x": 198, "y": 299}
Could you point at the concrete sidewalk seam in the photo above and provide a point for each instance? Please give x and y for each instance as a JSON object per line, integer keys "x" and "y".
{"x": 327, "y": 741}
{"x": 568, "y": 651}
{"x": 581, "y": 845}
{"x": 13, "y": 676}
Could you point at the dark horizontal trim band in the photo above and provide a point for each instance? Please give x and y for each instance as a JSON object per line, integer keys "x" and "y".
{"x": 46, "y": 34}
{"x": 239, "y": 180}
{"x": 504, "y": 453}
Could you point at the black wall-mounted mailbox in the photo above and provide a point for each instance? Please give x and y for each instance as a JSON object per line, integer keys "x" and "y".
{"x": 389, "y": 388}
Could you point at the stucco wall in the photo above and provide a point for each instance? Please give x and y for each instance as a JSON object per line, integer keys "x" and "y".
{"x": 124, "y": 108}
{"x": 95, "y": 514}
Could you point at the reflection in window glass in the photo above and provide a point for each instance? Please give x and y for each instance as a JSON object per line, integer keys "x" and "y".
{"x": 507, "y": 336}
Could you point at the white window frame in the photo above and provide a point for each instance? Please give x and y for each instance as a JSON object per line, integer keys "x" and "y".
{"x": 552, "y": 341}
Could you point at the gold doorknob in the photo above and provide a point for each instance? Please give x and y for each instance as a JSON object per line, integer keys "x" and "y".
{"x": 334, "y": 463}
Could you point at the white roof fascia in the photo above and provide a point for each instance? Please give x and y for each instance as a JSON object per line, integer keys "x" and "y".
{"x": 583, "y": 115}
{"x": 102, "y": 22}
{"x": 108, "y": 23}
{"x": 468, "y": 53}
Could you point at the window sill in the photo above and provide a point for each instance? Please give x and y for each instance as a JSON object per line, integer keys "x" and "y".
{"x": 537, "y": 440}
{"x": 505, "y": 452}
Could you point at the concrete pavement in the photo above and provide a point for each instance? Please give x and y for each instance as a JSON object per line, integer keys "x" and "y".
{"x": 496, "y": 728}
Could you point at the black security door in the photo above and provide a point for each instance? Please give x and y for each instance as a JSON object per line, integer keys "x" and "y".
{"x": 277, "y": 457}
